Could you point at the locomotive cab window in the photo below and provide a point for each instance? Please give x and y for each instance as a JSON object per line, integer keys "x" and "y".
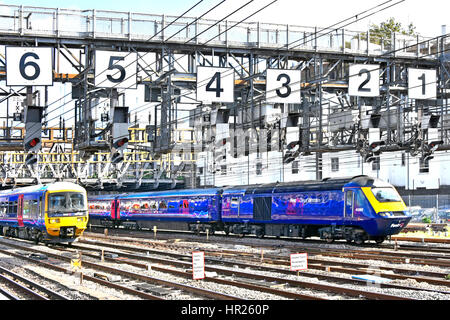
{"x": 386, "y": 195}
{"x": 63, "y": 203}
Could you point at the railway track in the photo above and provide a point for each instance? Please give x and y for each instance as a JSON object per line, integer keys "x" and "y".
{"x": 19, "y": 286}
{"x": 268, "y": 275}
{"x": 133, "y": 279}
{"x": 317, "y": 262}
{"x": 426, "y": 256}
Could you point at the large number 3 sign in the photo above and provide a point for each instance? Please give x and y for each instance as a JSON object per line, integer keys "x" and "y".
{"x": 28, "y": 66}
{"x": 283, "y": 86}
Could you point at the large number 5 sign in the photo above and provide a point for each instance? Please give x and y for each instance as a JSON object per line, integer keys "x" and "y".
{"x": 215, "y": 84}
{"x": 28, "y": 66}
{"x": 115, "y": 69}
{"x": 283, "y": 86}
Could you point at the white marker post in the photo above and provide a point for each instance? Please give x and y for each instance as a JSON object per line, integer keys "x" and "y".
{"x": 198, "y": 265}
{"x": 299, "y": 261}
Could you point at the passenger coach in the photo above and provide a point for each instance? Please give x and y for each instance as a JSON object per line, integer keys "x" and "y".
{"x": 355, "y": 209}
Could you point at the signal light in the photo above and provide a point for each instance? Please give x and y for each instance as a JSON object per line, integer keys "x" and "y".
{"x": 376, "y": 146}
{"x": 292, "y": 145}
{"x": 121, "y": 142}
{"x": 434, "y": 145}
{"x": 31, "y": 159}
{"x": 117, "y": 158}
{"x": 32, "y": 143}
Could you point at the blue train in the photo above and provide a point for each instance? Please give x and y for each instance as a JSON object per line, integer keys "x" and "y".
{"x": 356, "y": 209}
{"x": 51, "y": 213}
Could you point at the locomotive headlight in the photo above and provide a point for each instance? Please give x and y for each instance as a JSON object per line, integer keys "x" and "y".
{"x": 53, "y": 221}
{"x": 386, "y": 214}
{"x": 80, "y": 219}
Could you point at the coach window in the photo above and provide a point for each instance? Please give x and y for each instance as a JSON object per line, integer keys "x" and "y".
{"x": 162, "y": 205}
{"x": 26, "y": 209}
{"x": 13, "y": 207}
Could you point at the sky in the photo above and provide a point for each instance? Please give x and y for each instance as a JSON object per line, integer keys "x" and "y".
{"x": 428, "y": 16}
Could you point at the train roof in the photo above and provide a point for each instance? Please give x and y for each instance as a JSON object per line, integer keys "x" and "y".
{"x": 174, "y": 193}
{"x": 314, "y": 185}
{"x": 56, "y": 186}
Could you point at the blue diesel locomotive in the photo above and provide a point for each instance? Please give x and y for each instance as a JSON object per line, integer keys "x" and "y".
{"x": 355, "y": 209}
{"x": 52, "y": 213}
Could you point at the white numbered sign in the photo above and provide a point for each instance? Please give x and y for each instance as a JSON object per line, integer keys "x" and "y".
{"x": 215, "y": 84}
{"x": 115, "y": 69}
{"x": 364, "y": 80}
{"x": 198, "y": 265}
{"x": 28, "y": 66}
{"x": 422, "y": 84}
{"x": 283, "y": 86}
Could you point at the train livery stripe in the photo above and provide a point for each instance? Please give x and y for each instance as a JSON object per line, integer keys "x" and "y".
{"x": 382, "y": 206}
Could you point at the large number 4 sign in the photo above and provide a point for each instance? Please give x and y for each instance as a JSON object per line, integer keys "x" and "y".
{"x": 364, "y": 80}
{"x": 215, "y": 85}
{"x": 29, "y": 66}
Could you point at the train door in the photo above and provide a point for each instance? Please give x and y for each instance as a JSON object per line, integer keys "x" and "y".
{"x": 349, "y": 206}
{"x": 115, "y": 210}
{"x": 20, "y": 210}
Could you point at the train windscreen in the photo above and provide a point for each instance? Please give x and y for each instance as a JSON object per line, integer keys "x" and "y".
{"x": 386, "y": 194}
{"x": 66, "y": 203}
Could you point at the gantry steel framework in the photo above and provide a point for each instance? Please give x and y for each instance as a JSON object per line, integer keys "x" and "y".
{"x": 169, "y": 51}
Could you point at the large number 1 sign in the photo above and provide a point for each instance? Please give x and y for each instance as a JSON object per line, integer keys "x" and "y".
{"x": 29, "y": 66}
{"x": 422, "y": 84}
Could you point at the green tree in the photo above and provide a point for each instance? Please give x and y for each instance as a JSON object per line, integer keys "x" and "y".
{"x": 385, "y": 29}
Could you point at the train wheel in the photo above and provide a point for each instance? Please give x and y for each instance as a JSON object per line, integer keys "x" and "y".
{"x": 359, "y": 240}
{"x": 379, "y": 240}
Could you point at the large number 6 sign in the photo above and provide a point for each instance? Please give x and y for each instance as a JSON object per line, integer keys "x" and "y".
{"x": 115, "y": 69}
{"x": 283, "y": 86}
{"x": 215, "y": 85}
{"x": 364, "y": 80}
{"x": 27, "y": 66}
{"x": 422, "y": 84}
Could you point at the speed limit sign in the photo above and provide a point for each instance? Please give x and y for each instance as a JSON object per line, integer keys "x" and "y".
{"x": 29, "y": 66}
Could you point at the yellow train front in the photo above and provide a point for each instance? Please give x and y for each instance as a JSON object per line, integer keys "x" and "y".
{"x": 52, "y": 213}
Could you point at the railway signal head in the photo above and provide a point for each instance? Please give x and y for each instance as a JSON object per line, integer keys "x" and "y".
{"x": 120, "y": 143}
{"x": 33, "y": 144}
{"x": 375, "y": 147}
{"x": 117, "y": 157}
{"x": 31, "y": 159}
{"x": 434, "y": 145}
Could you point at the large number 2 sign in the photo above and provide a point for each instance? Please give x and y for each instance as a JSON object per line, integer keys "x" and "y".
{"x": 215, "y": 85}
{"x": 283, "y": 86}
{"x": 28, "y": 66}
{"x": 364, "y": 80}
{"x": 115, "y": 69}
